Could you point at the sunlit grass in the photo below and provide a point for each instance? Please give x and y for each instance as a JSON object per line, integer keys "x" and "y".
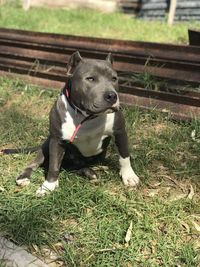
{"x": 97, "y": 216}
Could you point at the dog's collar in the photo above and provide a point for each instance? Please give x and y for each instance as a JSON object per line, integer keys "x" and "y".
{"x": 66, "y": 92}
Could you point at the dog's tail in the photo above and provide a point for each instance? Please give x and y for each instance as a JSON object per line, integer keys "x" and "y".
{"x": 19, "y": 150}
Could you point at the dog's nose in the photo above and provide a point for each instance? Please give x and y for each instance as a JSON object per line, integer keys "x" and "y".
{"x": 110, "y": 97}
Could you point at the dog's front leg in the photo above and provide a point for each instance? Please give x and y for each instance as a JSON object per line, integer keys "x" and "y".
{"x": 56, "y": 153}
{"x": 129, "y": 177}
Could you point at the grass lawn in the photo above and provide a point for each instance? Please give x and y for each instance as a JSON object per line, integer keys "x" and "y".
{"x": 85, "y": 224}
{"x": 92, "y": 23}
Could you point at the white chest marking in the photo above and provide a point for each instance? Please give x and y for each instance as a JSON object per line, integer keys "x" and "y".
{"x": 91, "y": 134}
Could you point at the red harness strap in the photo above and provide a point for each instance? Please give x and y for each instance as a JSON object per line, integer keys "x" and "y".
{"x": 74, "y": 133}
{"x": 80, "y": 124}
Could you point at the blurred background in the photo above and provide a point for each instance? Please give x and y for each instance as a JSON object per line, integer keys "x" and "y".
{"x": 149, "y": 9}
{"x": 121, "y": 19}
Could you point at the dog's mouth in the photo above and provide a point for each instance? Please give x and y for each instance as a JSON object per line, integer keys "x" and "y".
{"x": 100, "y": 111}
{"x": 112, "y": 109}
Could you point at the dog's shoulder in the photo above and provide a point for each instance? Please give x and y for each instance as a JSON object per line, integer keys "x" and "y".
{"x": 119, "y": 122}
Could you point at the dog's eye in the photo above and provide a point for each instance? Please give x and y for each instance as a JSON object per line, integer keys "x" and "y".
{"x": 114, "y": 79}
{"x": 90, "y": 79}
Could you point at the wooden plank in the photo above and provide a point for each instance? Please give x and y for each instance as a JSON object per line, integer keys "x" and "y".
{"x": 172, "y": 11}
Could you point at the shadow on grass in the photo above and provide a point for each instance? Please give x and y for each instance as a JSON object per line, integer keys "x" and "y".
{"x": 20, "y": 128}
{"x": 29, "y": 220}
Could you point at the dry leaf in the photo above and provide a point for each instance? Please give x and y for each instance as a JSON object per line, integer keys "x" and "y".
{"x": 46, "y": 251}
{"x": 156, "y": 184}
{"x": 153, "y": 246}
{"x": 58, "y": 246}
{"x": 194, "y": 137}
{"x": 49, "y": 255}
{"x": 115, "y": 247}
{"x": 137, "y": 213}
{"x": 153, "y": 192}
{"x": 72, "y": 222}
{"x": 17, "y": 189}
{"x": 191, "y": 193}
{"x": 176, "y": 196}
{"x": 193, "y": 133}
{"x": 166, "y": 189}
{"x": 88, "y": 211}
{"x": 106, "y": 249}
{"x": 68, "y": 237}
{"x": 196, "y": 225}
{"x": 196, "y": 245}
{"x": 52, "y": 264}
{"x": 129, "y": 233}
{"x": 185, "y": 225}
{"x": 122, "y": 198}
{"x": 195, "y": 216}
{"x": 2, "y": 189}
{"x": 60, "y": 263}
{"x": 127, "y": 264}
{"x": 35, "y": 247}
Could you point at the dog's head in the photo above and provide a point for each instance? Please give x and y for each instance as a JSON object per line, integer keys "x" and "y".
{"x": 94, "y": 84}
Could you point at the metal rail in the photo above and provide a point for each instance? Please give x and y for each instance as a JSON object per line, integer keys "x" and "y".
{"x": 42, "y": 57}
{"x": 194, "y": 37}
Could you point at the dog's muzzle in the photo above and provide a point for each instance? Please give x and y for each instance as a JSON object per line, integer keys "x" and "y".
{"x": 108, "y": 103}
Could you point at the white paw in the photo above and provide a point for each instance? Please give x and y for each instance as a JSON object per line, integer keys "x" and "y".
{"x": 46, "y": 187}
{"x": 23, "y": 182}
{"x": 129, "y": 178}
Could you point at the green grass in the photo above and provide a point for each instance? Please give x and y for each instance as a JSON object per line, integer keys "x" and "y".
{"x": 97, "y": 216}
{"x": 82, "y": 223}
{"x": 92, "y": 23}
{"x": 2, "y": 263}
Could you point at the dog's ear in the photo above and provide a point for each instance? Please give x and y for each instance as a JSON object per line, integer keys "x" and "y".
{"x": 110, "y": 58}
{"x": 73, "y": 62}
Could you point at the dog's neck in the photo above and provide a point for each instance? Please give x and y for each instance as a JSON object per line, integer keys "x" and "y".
{"x": 67, "y": 92}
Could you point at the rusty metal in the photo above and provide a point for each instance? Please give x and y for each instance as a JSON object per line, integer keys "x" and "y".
{"x": 175, "y": 111}
{"x": 158, "y": 50}
{"x": 194, "y": 37}
{"x": 161, "y": 60}
{"x": 186, "y": 97}
{"x": 58, "y": 74}
{"x": 41, "y": 58}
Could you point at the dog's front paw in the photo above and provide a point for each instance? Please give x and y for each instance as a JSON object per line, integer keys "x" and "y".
{"x": 46, "y": 188}
{"x": 22, "y": 182}
{"x": 129, "y": 178}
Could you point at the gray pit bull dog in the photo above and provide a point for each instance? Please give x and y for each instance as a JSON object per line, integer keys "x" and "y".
{"x": 84, "y": 118}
